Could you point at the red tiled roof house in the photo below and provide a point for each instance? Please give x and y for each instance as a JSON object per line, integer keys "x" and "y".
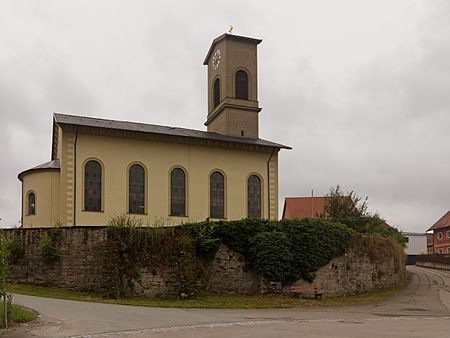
{"x": 302, "y": 207}
{"x": 441, "y": 235}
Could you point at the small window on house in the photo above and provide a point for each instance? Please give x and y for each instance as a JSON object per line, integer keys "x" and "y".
{"x": 406, "y": 239}
{"x": 448, "y": 234}
{"x": 440, "y": 236}
{"x": 92, "y": 186}
{"x": 241, "y": 85}
{"x": 216, "y": 92}
{"x": 440, "y": 251}
{"x": 136, "y": 187}
{"x": 216, "y": 195}
{"x": 254, "y": 197}
{"x": 31, "y": 203}
{"x": 448, "y": 250}
{"x": 177, "y": 192}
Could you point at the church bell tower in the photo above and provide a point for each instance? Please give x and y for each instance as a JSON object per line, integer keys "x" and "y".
{"x": 233, "y": 86}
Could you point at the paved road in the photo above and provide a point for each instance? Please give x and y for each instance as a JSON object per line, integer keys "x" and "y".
{"x": 422, "y": 310}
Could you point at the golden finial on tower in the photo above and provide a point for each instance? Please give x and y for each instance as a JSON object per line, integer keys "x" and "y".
{"x": 230, "y": 31}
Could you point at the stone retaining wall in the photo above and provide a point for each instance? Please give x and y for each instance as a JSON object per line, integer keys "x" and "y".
{"x": 359, "y": 271}
{"x": 81, "y": 261}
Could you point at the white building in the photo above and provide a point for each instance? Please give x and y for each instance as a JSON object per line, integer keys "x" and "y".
{"x": 416, "y": 244}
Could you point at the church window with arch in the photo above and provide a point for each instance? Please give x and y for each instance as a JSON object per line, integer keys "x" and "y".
{"x": 241, "y": 85}
{"x": 254, "y": 196}
{"x": 216, "y": 92}
{"x": 136, "y": 189}
{"x": 92, "y": 186}
{"x": 31, "y": 203}
{"x": 216, "y": 195}
{"x": 177, "y": 192}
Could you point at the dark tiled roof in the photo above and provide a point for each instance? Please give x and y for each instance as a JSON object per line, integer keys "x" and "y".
{"x": 443, "y": 222}
{"x": 51, "y": 165}
{"x": 157, "y": 129}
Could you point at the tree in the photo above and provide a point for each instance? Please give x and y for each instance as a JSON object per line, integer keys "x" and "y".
{"x": 351, "y": 210}
{"x": 338, "y": 205}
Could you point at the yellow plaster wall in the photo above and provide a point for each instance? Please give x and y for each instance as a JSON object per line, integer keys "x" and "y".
{"x": 45, "y": 184}
{"x": 117, "y": 153}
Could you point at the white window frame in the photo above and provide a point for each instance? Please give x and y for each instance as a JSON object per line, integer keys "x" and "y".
{"x": 448, "y": 233}
{"x": 440, "y": 251}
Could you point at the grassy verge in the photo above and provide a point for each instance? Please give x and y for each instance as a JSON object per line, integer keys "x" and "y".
{"x": 18, "y": 314}
{"x": 209, "y": 301}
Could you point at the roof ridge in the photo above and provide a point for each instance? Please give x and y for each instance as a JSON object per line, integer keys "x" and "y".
{"x": 158, "y": 129}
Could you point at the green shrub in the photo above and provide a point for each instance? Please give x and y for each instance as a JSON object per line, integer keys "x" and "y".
{"x": 129, "y": 247}
{"x": 271, "y": 254}
{"x": 47, "y": 249}
{"x": 312, "y": 243}
{"x": 15, "y": 247}
{"x": 280, "y": 251}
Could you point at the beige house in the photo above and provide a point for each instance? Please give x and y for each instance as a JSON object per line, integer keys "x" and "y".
{"x": 163, "y": 175}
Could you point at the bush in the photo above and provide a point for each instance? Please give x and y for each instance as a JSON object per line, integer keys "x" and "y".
{"x": 272, "y": 256}
{"x": 47, "y": 249}
{"x": 15, "y": 247}
{"x": 311, "y": 243}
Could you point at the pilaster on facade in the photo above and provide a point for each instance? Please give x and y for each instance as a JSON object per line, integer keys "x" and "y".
{"x": 70, "y": 178}
{"x": 273, "y": 186}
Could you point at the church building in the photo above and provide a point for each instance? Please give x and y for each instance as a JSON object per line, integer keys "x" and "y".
{"x": 163, "y": 175}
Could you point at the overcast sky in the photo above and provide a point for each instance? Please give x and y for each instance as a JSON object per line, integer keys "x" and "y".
{"x": 359, "y": 89}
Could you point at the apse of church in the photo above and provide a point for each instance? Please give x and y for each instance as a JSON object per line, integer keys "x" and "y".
{"x": 163, "y": 175}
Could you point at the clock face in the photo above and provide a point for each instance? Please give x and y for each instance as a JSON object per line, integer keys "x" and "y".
{"x": 215, "y": 61}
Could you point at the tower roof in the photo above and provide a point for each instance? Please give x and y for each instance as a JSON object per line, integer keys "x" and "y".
{"x": 230, "y": 37}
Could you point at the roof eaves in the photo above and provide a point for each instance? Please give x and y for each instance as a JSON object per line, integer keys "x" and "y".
{"x": 232, "y": 37}
{"x": 64, "y": 119}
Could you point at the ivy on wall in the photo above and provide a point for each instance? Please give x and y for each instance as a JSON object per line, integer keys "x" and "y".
{"x": 130, "y": 247}
{"x": 280, "y": 251}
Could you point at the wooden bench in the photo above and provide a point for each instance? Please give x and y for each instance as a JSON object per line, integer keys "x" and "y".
{"x": 307, "y": 290}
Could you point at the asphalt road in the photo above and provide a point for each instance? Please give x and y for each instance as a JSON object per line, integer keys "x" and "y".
{"x": 422, "y": 310}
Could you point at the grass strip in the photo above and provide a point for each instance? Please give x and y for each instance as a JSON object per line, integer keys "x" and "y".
{"x": 18, "y": 314}
{"x": 209, "y": 301}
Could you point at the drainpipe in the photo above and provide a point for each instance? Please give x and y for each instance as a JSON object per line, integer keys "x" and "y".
{"x": 21, "y": 212}
{"x": 268, "y": 183}
{"x": 75, "y": 179}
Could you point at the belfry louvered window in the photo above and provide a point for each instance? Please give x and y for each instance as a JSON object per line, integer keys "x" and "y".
{"x": 216, "y": 93}
{"x": 177, "y": 192}
{"x": 136, "y": 187}
{"x": 241, "y": 85}
{"x": 254, "y": 196}
{"x": 217, "y": 195}
{"x": 31, "y": 203}
{"x": 92, "y": 186}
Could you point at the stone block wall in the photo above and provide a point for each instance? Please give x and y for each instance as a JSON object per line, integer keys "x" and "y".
{"x": 81, "y": 267}
{"x": 370, "y": 263}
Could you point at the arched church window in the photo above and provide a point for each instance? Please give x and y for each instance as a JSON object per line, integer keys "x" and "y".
{"x": 217, "y": 195}
{"x": 92, "y": 186}
{"x": 216, "y": 92}
{"x": 254, "y": 196}
{"x": 177, "y": 192}
{"x": 31, "y": 203}
{"x": 241, "y": 85}
{"x": 136, "y": 189}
